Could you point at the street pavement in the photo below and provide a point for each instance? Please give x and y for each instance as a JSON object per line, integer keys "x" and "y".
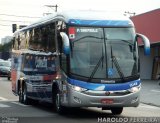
{"x": 150, "y": 92}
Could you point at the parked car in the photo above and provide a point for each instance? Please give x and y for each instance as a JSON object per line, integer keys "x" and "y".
{"x": 5, "y": 68}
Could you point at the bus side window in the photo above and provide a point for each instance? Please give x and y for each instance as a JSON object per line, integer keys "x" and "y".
{"x": 44, "y": 38}
{"x": 16, "y": 42}
{"x": 30, "y": 36}
{"x": 51, "y": 43}
{"x": 13, "y": 42}
{"x": 59, "y": 40}
{"x": 63, "y": 62}
{"x": 22, "y": 41}
{"x": 61, "y": 27}
{"x": 27, "y": 39}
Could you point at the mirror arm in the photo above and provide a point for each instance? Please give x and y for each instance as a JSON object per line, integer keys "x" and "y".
{"x": 146, "y": 43}
{"x": 66, "y": 44}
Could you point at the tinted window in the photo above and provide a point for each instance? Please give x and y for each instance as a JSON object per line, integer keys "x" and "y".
{"x": 43, "y": 38}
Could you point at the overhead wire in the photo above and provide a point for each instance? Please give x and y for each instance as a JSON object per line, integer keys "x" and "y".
{"x": 15, "y": 21}
{"x": 19, "y": 16}
{"x": 4, "y": 30}
{"x": 4, "y": 25}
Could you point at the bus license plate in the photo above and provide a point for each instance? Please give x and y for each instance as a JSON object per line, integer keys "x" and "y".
{"x": 107, "y": 101}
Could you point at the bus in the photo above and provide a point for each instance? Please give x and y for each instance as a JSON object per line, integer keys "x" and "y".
{"x": 78, "y": 59}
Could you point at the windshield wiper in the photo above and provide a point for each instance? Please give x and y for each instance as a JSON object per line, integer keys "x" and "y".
{"x": 74, "y": 41}
{"x": 114, "y": 60}
{"x": 96, "y": 68}
{"x": 126, "y": 41}
{"x": 86, "y": 37}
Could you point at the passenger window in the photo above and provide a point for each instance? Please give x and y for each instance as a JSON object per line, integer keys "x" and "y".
{"x": 43, "y": 38}
{"x": 61, "y": 27}
{"x": 17, "y": 42}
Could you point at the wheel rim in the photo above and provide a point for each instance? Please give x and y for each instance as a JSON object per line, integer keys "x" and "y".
{"x": 57, "y": 102}
{"x": 20, "y": 96}
{"x": 24, "y": 95}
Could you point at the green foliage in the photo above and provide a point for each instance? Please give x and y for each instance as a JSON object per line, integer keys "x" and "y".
{"x": 6, "y": 47}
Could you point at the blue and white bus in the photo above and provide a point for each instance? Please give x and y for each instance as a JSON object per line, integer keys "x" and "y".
{"x": 78, "y": 59}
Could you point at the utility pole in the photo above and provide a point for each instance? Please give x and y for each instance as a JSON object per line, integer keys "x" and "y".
{"x": 129, "y": 13}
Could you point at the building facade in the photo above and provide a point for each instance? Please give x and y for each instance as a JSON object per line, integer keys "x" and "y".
{"x": 149, "y": 24}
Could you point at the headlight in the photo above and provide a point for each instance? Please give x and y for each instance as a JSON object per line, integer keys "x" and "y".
{"x": 77, "y": 88}
{"x": 135, "y": 89}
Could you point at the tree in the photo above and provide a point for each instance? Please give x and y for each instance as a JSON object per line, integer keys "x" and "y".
{"x": 6, "y": 47}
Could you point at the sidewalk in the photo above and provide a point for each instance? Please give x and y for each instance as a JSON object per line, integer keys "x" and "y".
{"x": 150, "y": 92}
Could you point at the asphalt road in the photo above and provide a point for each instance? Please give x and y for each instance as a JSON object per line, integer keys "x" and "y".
{"x": 11, "y": 111}
{"x": 150, "y": 92}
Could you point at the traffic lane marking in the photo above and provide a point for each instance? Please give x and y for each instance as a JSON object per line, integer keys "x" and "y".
{"x": 20, "y": 104}
{"x": 4, "y": 106}
{"x": 9, "y": 105}
{"x": 155, "y": 91}
{"x": 3, "y": 99}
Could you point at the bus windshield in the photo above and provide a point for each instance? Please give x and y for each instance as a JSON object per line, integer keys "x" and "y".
{"x": 103, "y": 53}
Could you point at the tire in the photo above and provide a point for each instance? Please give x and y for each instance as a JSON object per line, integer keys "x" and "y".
{"x": 57, "y": 104}
{"x": 8, "y": 78}
{"x": 23, "y": 95}
{"x": 117, "y": 110}
{"x": 26, "y": 100}
{"x": 20, "y": 95}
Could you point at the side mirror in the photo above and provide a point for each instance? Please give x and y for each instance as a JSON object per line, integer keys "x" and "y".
{"x": 66, "y": 44}
{"x": 146, "y": 43}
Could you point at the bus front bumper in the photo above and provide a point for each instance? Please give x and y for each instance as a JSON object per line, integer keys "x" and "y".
{"x": 90, "y": 98}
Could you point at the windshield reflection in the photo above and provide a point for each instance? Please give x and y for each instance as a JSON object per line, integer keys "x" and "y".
{"x": 95, "y": 57}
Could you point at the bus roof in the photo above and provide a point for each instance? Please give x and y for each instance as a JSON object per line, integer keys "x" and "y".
{"x": 96, "y": 18}
{"x": 86, "y": 18}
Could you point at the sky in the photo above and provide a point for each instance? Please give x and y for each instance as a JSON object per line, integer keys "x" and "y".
{"x": 24, "y": 12}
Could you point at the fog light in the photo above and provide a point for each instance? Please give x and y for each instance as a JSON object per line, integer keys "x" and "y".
{"x": 134, "y": 100}
{"x": 76, "y": 99}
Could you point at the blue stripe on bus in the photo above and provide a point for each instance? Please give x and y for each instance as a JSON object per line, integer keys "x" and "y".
{"x": 104, "y": 87}
{"x": 147, "y": 51}
{"x": 100, "y": 22}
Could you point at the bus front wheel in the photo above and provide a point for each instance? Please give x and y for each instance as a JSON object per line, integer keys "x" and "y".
{"x": 117, "y": 110}
{"x": 57, "y": 103}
